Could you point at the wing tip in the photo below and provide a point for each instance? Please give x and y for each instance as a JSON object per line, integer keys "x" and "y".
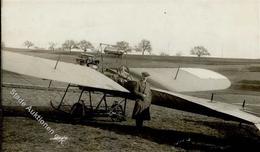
{"x": 257, "y": 126}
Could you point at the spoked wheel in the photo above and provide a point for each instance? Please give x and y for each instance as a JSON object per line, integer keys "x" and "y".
{"x": 57, "y": 108}
{"x": 117, "y": 113}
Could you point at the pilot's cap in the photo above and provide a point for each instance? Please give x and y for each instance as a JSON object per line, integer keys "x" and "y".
{"x": 145, "y": 74}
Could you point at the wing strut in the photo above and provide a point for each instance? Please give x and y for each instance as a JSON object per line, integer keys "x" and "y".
{"x": 64, "y": 96}
{"x": 177, "y": 73}
{"x": 55, "y": 69}
{"x": 57, "y": 62}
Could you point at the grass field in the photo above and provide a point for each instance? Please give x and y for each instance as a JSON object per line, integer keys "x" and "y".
{"x": 169, "y": 129}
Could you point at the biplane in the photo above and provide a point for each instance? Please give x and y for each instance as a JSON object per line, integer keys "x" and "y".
{"x": 167, "y": 87}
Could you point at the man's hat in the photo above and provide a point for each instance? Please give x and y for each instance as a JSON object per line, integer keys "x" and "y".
{"x": 145, "y": 74}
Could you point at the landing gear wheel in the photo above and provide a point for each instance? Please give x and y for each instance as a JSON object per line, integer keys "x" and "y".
{"x": 117, "y": 113}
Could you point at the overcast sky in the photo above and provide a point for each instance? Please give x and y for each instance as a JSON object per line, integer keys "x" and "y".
{"x": 227, "y": 28}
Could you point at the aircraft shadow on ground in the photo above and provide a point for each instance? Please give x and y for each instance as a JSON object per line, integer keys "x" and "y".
{"x": 183, "y": 139}
{"x": 169, "y": 137}
{"x": 240, "y": 134}
{"x": 231, "y": 128}
{"x": 186, "y": 140}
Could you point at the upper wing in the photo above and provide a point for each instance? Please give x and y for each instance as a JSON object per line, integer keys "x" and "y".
{"x": 184, "y": 79}
{"x": 64, "y": 72}
{"x": 203, "y": 106}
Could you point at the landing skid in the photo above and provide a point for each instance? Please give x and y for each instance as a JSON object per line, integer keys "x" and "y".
{"x": 93, "y": 109}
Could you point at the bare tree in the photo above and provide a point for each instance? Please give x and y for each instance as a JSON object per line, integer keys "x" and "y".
{"x": 52, "y": 45}
{"x": 199, "y": 51}
{"x": 68, "y": 45}
{"x": 144, "y": 46}
{"x": 124, "y": 46}
{"x": 84, "y": 45}
{"x": 28, "y": 44}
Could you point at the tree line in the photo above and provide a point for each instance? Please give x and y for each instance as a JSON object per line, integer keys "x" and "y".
{"x": 144, "y": 46}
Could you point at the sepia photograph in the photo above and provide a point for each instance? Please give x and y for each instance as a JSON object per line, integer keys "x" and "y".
{"x": 130, "y": 75}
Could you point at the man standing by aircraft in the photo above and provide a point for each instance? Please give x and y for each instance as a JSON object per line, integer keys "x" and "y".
{"x": 141, "y": 110}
